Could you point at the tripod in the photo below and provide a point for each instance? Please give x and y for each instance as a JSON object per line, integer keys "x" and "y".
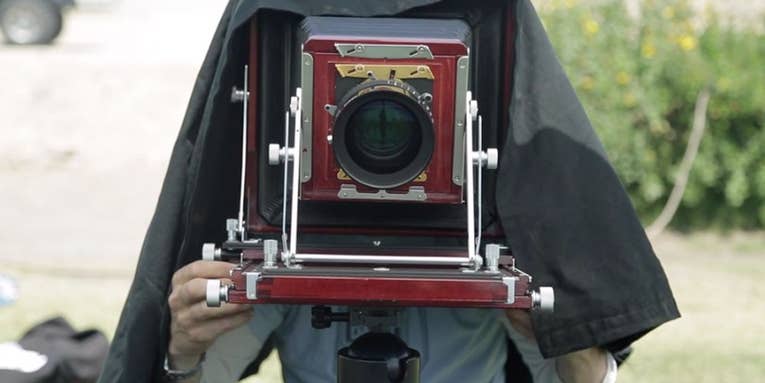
{"x": 378, "y": 356}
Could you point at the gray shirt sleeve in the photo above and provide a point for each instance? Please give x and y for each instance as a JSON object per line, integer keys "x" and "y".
{"x": 233, "y": 351}
{"x": 542, "y": 370}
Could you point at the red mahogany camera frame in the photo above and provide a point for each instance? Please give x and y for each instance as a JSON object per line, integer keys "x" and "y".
{"x": 266, "y": 272}
{"x": 444, "y": 61}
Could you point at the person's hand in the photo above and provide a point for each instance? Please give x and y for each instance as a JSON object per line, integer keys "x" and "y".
{"x": 583, "y": 366}
{"x": 193, "y": 325}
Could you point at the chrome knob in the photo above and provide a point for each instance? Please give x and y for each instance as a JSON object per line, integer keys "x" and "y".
{"x": 274, "y": 154}
{"x": 216, "y": 293}
{"x": 210, "y": 253}
{"x": 232, "y": 227}
{"x": 544, "y": 299}
{"x": 492, "y": 257}
{"x": 238, "y": 95}
{"x": 270, "y": 252}
{"x": 492, "y": 158}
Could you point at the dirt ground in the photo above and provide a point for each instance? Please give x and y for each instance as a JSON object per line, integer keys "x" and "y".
{"x": 87, "y": 125}
{"x": 86, "y": 129}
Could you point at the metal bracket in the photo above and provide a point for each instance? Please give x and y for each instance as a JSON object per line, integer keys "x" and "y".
{"x": 510, "y": 283}
{"x": 471, "y": 108}
{"x": 382, "y": 259}
{"x": 415, "y": 193}
{"x": 296, "y": 108}
{"x": 384, "y": 51}
{"x": 306, "y": 100}
{"x": 383, "y": 71}
{"x": 458, "y": 150}
{"x": 243, "y": 97}
{"x": 251, "y": 282}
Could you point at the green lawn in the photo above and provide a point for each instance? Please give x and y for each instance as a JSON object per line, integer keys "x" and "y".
{"x": 721, "y": 337}
{"x": 717, "y": 282}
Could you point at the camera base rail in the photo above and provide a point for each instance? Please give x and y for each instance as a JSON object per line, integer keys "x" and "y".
{"x": 260, "y": 280}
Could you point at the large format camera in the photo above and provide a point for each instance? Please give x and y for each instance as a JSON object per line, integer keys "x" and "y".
{"x": 389, "y": 123}
{"x": 367, "y": 191}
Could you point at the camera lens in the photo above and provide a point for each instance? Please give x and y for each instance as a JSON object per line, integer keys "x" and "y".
{"x": 383, "y": 135}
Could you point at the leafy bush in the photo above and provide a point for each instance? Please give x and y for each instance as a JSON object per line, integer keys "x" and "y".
{"x": 638, "y": 78}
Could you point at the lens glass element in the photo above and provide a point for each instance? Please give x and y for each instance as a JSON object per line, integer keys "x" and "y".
{"x": 383, "y": 136}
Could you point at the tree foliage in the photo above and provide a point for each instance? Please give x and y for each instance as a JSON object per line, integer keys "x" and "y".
{"x": 638, "y": 77}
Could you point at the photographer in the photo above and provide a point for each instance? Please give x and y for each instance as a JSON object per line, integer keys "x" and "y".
{"x": 554, "y": 201}
{"x": 459, "y": 345}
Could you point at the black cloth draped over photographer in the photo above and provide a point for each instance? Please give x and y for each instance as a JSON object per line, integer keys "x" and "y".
{"x": 566, "y": 216}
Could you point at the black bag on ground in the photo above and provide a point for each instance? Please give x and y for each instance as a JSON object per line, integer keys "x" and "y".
{"x": 64, "y": 355}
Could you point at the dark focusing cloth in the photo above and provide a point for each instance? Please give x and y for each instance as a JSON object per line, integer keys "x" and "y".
{"x": 564, "y": 212}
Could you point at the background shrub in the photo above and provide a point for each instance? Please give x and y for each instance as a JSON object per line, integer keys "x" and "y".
{"x": 638, "y": 77}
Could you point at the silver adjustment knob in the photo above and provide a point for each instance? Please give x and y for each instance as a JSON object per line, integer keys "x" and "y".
{"x": 274, "y": 154}
{"x": 473, "y": 109}
{"x": 232, "y": 227}
{"x": 544, "y": 299}
{"x": 492, "y": 158}
{"x": 488, "y": 159}
{"x": 492, "y": 257}
{"x": 294, "y": 103}
{"x": 238, "y": 95}
{"x": 210, "y": 252}
{"x": 216, "y": 293}
{"x": 270, "y": 252}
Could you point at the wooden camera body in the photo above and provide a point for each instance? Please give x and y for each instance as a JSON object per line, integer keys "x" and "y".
{"x": 355, "y": 79}
{"x": 375, "y": 151}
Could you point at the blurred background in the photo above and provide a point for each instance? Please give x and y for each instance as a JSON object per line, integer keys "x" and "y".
{"x": 87, "y": 124}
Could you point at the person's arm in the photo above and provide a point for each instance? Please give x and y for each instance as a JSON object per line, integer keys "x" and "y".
{"x": 230, "y": 355}
{"x": 194, "y": 326}
{"x": 584, "y": 366}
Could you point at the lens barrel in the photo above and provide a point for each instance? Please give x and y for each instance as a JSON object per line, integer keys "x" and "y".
{"x": 383, "y": 135}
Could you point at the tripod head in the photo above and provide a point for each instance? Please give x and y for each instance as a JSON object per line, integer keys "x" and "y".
{"x": 379, "y": 355}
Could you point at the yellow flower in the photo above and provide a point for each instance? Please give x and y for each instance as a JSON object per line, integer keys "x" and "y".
{"x": 623, "y": 78}
{"x": 569, "y": 3}
{"x": 648, "y": 50}
{"x": 591, "y": 27}
{"x": 629, "y": 100}
{"x": 587, "y": 83}
{"x": 668, "y": 12}
{"x": 687, "y": 42}
{"x": 659, "y": 128}
{"x": 723, "y": 83}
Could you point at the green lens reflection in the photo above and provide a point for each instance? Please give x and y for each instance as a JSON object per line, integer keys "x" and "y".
{"x": 383, "y": 136}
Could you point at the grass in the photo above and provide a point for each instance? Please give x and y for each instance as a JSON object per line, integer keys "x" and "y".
{"x": 716, "y": 279}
